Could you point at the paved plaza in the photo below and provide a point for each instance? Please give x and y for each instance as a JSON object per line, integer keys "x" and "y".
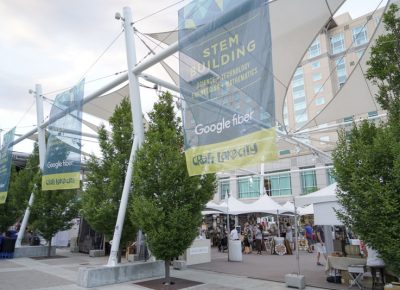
{"x": 61, "y": 273}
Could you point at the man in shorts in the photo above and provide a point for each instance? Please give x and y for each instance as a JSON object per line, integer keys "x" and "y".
{"x": 320, "y": 245}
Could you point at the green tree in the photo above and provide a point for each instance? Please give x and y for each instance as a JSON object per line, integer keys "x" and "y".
{"x": 53, "y": 211}
{"x": 105, "y": 177}
{"x": 367, "y": 162}
{"x": 167, "y": 202}
{"x": 21, "y": 186}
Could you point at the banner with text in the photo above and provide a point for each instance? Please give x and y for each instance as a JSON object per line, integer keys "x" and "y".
{"x": 5, "y": 164}
{"x": 226, "y": 80}
{"x": 63, "y": 156}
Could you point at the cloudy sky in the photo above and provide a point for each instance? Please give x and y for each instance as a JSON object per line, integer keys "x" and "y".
{"x": 57, "y": 42}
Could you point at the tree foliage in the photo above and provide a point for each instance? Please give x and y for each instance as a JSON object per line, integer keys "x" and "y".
{"x": 105, "y": 177}
{"x": 367, "y": 162}
{"x": 21, "y": 186}
{"x": 53, "y": 211}
{"x": 166, "y": 201}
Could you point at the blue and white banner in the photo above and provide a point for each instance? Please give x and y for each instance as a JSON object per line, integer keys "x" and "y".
{"x": 5, "y": 164}
{"x": 226, "y": 80}
{"x": 63, "y": 156}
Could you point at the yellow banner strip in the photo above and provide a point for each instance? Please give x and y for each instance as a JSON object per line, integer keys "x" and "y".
{"x": 61, "y": 181}
{"x": 3, "y": 197}
{"x": 247, "y": 150}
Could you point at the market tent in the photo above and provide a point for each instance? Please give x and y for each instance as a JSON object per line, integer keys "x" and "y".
{"x": 212, "y": 206}
{"x": 235, "y": 206}
{"x": 207, "y": 212}
{"x": 323, "y": 195}
{"x": 266, "y": 204}
{"x": 325, "y": 205}
{"x": 306, "y": 210}
{"x": 289, "y": 207}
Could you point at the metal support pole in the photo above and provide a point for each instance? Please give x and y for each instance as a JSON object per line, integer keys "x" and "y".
{"x": 42, "y": 153}
{"x": 296, "y": 234}
{"x": 137, "y": 127}
{"x": 228, "y": 227}
{"x": 262, "y": 179}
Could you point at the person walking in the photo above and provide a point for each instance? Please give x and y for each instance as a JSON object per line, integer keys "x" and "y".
{"x": 259, "y": 239}
{"x": 320, "y": 245}
{"x": 309, "y": 236}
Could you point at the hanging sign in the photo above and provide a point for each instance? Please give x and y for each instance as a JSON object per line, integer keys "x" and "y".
{"x": 5, "y": 164}
{"x": 226, "y": 80}
{"x": 63, "y": 156}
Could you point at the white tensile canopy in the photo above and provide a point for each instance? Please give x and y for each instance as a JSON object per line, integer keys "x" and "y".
{"x": 291, "y": 36}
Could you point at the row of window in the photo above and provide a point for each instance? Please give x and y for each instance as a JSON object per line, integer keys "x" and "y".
{"x": 337, "y": 42}
{"x": 275, "y": 185}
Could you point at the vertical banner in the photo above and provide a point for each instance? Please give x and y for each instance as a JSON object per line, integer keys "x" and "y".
{"x": 63, "y": 155}
{"x": 5, "y": 164}
{"x": 226, "y": 80}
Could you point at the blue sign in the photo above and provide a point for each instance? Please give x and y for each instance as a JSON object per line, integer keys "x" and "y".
{"x": 226, "y": 80}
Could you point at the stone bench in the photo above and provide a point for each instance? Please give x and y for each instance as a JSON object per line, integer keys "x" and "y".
{"x": 96, "y": 253}
{"x": 179, "y": 265}
{"x": 103, "y": 275}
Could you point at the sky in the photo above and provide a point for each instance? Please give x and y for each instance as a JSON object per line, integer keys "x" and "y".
{"x": 56, "y": 43}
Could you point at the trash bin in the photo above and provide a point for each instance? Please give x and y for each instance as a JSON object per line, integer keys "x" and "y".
{"x": 235, "y": 250}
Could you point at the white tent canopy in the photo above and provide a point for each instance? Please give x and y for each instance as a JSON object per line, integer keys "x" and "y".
{"x": 325, "y": 203}
{"x": 212, "y": 206}
{"x": 306, "y": 210}
{"x": 234, "y": 206}
{"x": 266, "y": 204}
{"x": 325, "y": 194}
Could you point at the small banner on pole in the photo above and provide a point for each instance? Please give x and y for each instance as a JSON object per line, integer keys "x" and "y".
{"x": 63, "y": 156}
{"x": 226, "y": 80}
{"x": 5, "y": 164}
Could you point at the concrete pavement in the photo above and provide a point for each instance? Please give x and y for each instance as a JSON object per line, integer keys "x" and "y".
{"x": 61, "y": 274}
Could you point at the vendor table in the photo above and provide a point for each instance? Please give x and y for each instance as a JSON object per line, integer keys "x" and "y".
{"x": 343, "y": 263}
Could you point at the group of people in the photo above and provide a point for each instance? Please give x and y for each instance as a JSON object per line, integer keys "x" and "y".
{"x": 252, "y": 237}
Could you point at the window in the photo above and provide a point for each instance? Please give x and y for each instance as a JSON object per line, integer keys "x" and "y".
{"x": 284, "y": 152}
{"x": 314, "y": 49}
{"x": 300, "y": 106}
{"x": 337, "y": 43}
{"x": 359, "y": 53}
{"x": 315, "y": 64}
{"x": 308, "y": 181}
{"x": 359, "y": 35}
{"x": 341, "y": 71}
{"x": 278, "y": 185}
{"x": 316, "y": 77}
{"x": 249, "y": 187}
{"x": 318, "y": 89}
{"x": 329, "y": 175}
{"x": 372, "y": 114}
{"x": 319, "y": 101}
{"x": 224, "y": 187}
{"x": 348, "y": 119}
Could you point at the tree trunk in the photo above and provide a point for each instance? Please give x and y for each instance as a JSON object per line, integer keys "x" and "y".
{"x": 167, "y": 276}
{"x": 49, "y": 248}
